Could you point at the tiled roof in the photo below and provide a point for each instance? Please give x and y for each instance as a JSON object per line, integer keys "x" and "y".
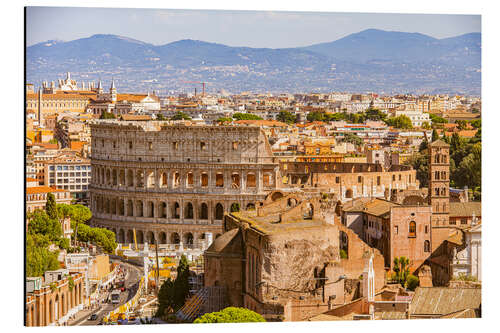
{"x": 269, "y": 123}
{"x": 465, "y": 209}
{"x": 135, "y": 117}
{"x": 77, "y": 145}
{"x": 376, "y": 207}
{"x": 437, "y": 301}
{"x": 43, "y": 189}
{"x": 439, "y": 143}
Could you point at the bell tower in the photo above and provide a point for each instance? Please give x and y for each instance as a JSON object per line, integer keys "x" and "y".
{"x": 439, "y": 191}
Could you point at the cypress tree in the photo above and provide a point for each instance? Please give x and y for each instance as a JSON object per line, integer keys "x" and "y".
{"x": 435, "y": 135}
{"x": 50, "y": 206}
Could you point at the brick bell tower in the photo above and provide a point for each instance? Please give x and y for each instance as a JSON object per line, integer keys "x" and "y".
{"x": 439, "y": 191}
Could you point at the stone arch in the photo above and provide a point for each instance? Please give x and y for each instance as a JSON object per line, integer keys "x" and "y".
{"x": 139, "y": 209}
{"x": 291, "y": 202}
{"x": 121, "y": 236}
{"x": 204, "y": 179}
{"x": 106, "y": 206}
{"x": 56, "y": 308}
{"x": 121, "y": 207}
{"x": 219, "y": 179}
{"x": 217, "y": 236}
{"x": 130, "y": 178}
{"x": 190, "y": 179}
{"x": 188, "y": 238}
{"x": 308, "y": 211}
{"x": 235, "y": 207}
{"x": 121, "y": 178}
{"x": 51, "y": 312}
{"x": 203, "y": 211}
{"x": 189, "y": 211}
{"x": 162, "y": 238}
{"x": 115, "y": 177}
{"x": 348, "y": 193}
{"x": 108, "y": 177}
{"x": 63, "y": 304}
{"x": 130, "y": 208}
{"x": 140, "y": 236}
{"x": 139, "y": 178}
{"x": 219, "y": 211}
{"x": 151, "y": 180}
{"x": 235, "y": 180}
{"x": 275, "y": 195}
{"x": 175, "y": 238}
{"x": 150, "y": 237}
{"x": 176, "y": 214}
{"x": 162, "y": 210}
{"x": 130, "y": 236}
{"x": 176, "y": 179}
{"x": 150, "y": 208}
{"x": 250, "y": 206}
{"x": 427, "y": 246}
{"x": 113, "y": 206}
{"x": 164, "y": 180}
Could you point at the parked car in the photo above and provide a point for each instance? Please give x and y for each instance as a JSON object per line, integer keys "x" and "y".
{"x": 93, "y": 317}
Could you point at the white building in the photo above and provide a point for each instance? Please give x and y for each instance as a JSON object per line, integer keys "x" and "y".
{"x": 467, "y": 260}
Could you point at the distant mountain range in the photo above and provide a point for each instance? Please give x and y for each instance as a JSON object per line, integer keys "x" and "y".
{"x": 371, "y": 60}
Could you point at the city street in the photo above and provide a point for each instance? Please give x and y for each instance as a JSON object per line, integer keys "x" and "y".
{"x": 132, "y": 277}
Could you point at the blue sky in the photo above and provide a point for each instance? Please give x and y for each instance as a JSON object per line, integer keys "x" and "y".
{"x": 235, "y": 28}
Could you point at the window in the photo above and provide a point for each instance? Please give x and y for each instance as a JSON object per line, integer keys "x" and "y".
{"x": 337, "y": 180}
{"x": 427, "y": 246}
{"x": 396, "y": 229}
{"x": 114, "y": 144}
{"x": 393, "y": 177}
{"x": 150, "y": 144}
{"x": 235, "y": 145}
{"x": 360, "y": 179}
{"x": 412, "y": 232}
{"x": 378, "y": 180}
{"x": 130, "y": 145}
{"x": 426, "y": 229}
{"x": 399, "y": 177}
{"x": 175, "y": 145}
{"x": 453, "y": 222}
{"x": 463, "y": 221}
{"x": 203, "y": 146}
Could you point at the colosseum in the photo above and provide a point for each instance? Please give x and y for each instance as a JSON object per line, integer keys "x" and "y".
{"x": 172, "y": 182}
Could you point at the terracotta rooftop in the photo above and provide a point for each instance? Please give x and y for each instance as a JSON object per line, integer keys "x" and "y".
{"x": 43, "y": 189}
{"x": 269, "y": 123}
{"x": 375, "y": 207}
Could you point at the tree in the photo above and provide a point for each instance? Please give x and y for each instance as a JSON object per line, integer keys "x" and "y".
{"x": 40, "y": 223}
{"x": 402, "y": 122}
{"x": 38, "y": 258}
{"x": 435, "y": 135}
{"x": 181, "y": 284}
{"x": 412, "y": 282}
{"x": 100, "y": 236}
{"x": 286, "y": 117}
{"x": 436, "y": 119}
{"x": 230, "y": 315}
{"x": 160, "y": 116}
{"x": 461, "y": 124}
{"x": 375, "y": 114}
{"x": 401, "y": 269}
{"x": 165, "y": 298}
{"x": 476, "y": 123}
{"x": 50, "y": 206}
{"x": 181, "y": 116}
{"x": 222, "y": 120}
{"x": 426, "y": 125}
{"x": 353, "y": 138}
{"x": 315, "y": 116}
{"x": 107, "y": 115}
{"x": 246, "y": 116}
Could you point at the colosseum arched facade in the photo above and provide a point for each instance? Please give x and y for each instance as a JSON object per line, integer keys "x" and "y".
{"x": 173, "y": 183}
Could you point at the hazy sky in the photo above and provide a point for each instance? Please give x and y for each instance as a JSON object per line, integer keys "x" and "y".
{"x": 234, "y": 28}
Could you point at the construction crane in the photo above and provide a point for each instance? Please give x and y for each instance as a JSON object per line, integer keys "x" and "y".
{"x": 202, "y": 84}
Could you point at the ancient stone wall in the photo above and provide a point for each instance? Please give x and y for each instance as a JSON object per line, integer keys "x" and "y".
{"x": 173, "y": 183}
